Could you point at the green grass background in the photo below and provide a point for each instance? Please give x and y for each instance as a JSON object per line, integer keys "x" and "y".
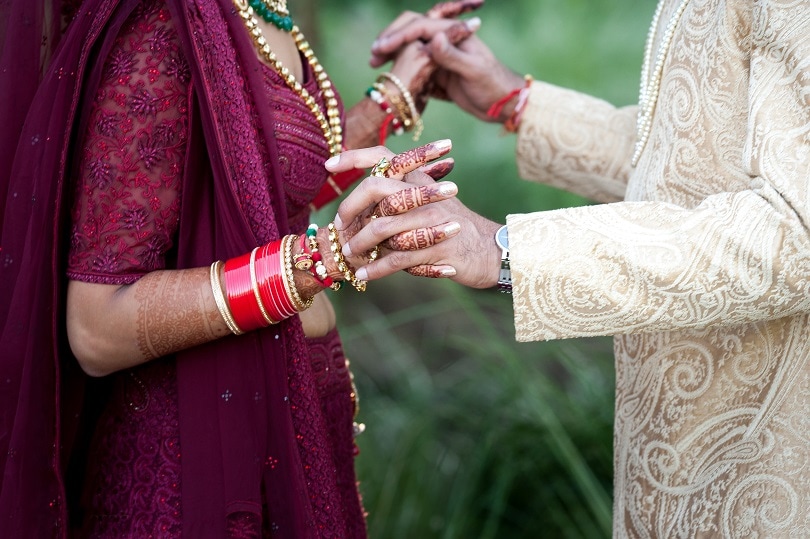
{"x": 470, "y": 434}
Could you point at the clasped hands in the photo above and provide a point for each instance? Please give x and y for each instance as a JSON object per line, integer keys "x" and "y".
{"x": 416, "y": 221}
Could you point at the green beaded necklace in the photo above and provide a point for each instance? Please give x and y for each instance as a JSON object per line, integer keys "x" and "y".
{"x": 274, "y": 12}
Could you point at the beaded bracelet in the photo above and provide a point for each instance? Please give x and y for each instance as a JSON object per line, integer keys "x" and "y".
{"x": 415, "y": 117}
{"x": 289, "y": 278}
{"x": 219, "y": 298}
{"x": 376, "y": 94}
{"x": 318, "y": 268}
{"x": 396, "y": 105}
{"x": 343, "y": 266}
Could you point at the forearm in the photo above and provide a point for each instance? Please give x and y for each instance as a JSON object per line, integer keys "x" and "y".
{"x": 113, "y": 327}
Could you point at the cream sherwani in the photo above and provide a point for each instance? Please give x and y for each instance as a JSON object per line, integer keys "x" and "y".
{"x": 699, "y": 264}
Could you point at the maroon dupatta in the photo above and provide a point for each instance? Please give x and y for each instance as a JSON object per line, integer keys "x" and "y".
{"x": 250, "y": 424}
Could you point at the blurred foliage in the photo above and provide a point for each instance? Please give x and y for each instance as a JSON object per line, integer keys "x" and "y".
{"x": 470, "y": 434}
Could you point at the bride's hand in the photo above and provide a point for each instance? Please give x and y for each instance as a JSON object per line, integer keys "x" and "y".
{"x": 385, "y": 208}
{"x": 412, "y": 225}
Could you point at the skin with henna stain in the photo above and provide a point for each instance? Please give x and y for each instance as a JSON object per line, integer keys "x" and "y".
{"x": 449, "y": 10}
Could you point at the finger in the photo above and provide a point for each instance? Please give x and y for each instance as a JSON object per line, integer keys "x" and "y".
{"x": 409, "y": 199}
{"x": 462, "y": 30}
{"x": 362, "y": 158}
{"x": 432, "y": 272}
{"x": 445, "y": 10}
{"x": 439, "y": 169}
{"x": 412, "y": 159}
{"x": 403, "y": 260}
{"x": 391, "y": 40}
{"x": 386, "y": 48}
{"x": 367, "y": 194}
{"x": 400, "y": 164}
{"x": 446, "y": 55}
{"x": 422, "y": 238}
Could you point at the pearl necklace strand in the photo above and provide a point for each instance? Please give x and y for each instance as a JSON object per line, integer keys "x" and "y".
{"x": 648, "y": 92}
{"x": 328, "y": 121}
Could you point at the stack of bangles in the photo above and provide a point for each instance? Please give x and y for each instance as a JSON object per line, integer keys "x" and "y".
{"x": 401, "y": 114}
{"x": 258, "y": 288}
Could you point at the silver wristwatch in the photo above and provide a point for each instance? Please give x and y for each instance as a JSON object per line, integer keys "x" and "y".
{"x": 505, "y": 275}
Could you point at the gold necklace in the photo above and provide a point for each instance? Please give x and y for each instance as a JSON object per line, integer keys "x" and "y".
{"x": 648, "y": 92}
{"x": 329, "y": 121}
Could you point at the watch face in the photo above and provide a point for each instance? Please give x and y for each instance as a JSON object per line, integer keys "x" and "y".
{"x": 502, "y": 238}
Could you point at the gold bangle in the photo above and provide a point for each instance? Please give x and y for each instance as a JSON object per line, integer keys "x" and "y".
{"x": 416, "y": 118}
{"x": 288, "y": 277}
{"x": 219, "y": 298}
{"x": 343, "y": 266}
{"x": 254, "y": 283}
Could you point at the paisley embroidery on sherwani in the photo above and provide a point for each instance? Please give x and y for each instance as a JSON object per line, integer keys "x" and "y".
{"x": 700, "y": 265}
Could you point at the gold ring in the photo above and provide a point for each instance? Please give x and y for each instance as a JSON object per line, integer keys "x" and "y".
{"x": 381, "y": 168}
{"x": 374, "y": 254}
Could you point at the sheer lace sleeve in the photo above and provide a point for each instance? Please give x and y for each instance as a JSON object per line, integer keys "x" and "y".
{"x": 127, "y": 196}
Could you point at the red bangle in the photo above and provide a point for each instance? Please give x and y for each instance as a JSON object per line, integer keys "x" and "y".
{"x": 271, "y": 284}
{"x": 511, "y": 123}
{"x": 242, "y": 300}
{"x": 335, "y": 185}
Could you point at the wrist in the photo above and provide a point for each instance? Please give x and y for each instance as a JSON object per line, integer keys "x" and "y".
{"x": 509, "y": 108}
{"x": 504, "y": 282}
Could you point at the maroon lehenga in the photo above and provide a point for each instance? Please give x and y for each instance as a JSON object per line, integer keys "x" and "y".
{"x": 188, "y": 150}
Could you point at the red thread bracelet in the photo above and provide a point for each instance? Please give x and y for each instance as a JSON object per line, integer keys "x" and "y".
{"x": 511, "y": 123}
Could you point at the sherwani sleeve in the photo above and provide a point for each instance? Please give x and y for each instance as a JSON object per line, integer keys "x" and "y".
{"x": 739, "y": 256}
{"x": 576, "y": 142}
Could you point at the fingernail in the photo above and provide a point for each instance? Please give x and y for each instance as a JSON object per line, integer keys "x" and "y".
{"x": 451, "y": 229}
{"x": 362, "y": 274}
{"x": 473, "y": 23}
{"x": 332, "y": 161}
{"x": 448, "y": 272}
{"x": 443, "y": 145}
{"x": 338, "y": 221}
{"x": 447, "y": 188}
{"x": 346, "y": 250}
{"x": 375, "y": 45}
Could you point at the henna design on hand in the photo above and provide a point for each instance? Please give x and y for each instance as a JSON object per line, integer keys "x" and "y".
{"x": 414, "y": 158}
{"x": 425, "y": 270}
{"x": 413, "y": 240}
{"x": 408, "y": 199}
{"x": 448, "y": 10}
{"x": 439, "y": 170}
